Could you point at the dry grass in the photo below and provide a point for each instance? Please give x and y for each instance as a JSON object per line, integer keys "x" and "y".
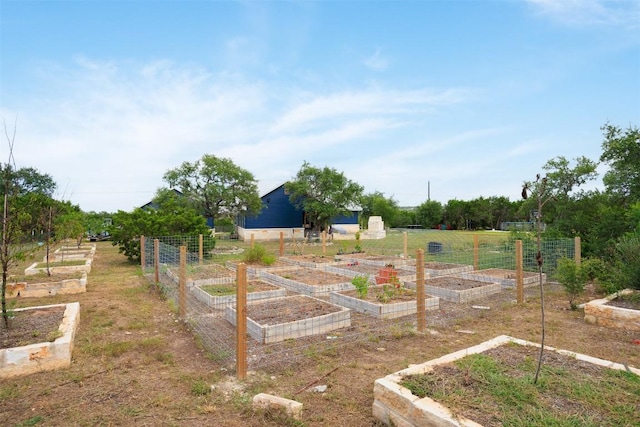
{"x": 135, "y": 363}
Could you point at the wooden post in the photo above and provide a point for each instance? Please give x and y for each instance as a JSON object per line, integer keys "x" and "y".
{"x": 200, "y": 248}
{"x": 142, "y": 254}
{"x": 156, "y": 259}
{"x": 519, "y": 273}
{"x": 241, "y": 322}
{"x": 182, "y": 291}
{"x": 253, "y": 240}
{"x": 282, "y": 243}
{"x": 405, "y": 238}
{"x": 578, "y": 251}
{"x": 420, "y": 303}
{"x": 324, "y": 242}
{"x": 476, "y": 252}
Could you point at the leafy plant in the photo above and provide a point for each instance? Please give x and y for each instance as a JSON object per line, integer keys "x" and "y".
{"x": 259, "y": 254}
{"x": 362, "y": 286}
{"x": 572, "y": 278}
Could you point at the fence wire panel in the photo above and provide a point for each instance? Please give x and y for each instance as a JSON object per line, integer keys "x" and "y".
{"x": 317, "y": 299}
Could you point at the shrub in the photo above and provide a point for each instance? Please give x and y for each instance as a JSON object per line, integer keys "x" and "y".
{"x": 259, "y": 254}
{"x": 572, "y": 278}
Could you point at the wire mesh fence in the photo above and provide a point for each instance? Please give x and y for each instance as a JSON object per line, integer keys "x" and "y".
{"x": 327, "y": 297}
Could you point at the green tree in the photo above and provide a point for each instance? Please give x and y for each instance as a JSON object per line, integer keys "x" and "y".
{"x": 171, "y": 218}
{"x": 16, "y": 185}
{"x": 621, "y": 152}
{"x": 376, "y": 204}
{"x": 323, "y": 194}
{"x": 456, "y": 214}
{"x": 429, "y": 213}
{"x": 216, "y": 187}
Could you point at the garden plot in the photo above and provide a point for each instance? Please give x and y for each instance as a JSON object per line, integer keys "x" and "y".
{"x": 437, "y": 269}
{"x": 379, "y": 260}
{"x": 219, "y": 295}
{"x": 356, "y": 268}
{"x": 256, "y": 270}
{"x": 279, "y": 319}
{"x": 457, "y": 289}
{"x": 308, "y": 281}
{"x": 59, "y": 267}
{"x": 44, "y": 286}
{"x": 68, "y": 253}
{"x": 620, "y": 310}
{"x": 310, "y": 261}
{"x": 506, "y": 278}
{"x": 408, "y": 397}
{"x": 204, "y": 274}
{"x": 383, "y": 301}
{"x": 53, "y": 353}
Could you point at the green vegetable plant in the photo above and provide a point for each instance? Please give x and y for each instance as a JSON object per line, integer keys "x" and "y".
{"x": 362, "y": 286}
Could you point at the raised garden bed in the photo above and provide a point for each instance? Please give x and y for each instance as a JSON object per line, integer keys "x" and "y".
{"x": 308, "y": 281}
{"x": 383, "y": 301}
{"x": 44, "y": 286}
{"x": 610, "y": 313}
{"x": 377, "y": 260}
{"x": 507, "y": 278}
{"x": 54, "y": 353}
{"x": 256, "y": 270}
{"x": 279, "y": 319}
{"x": 218, "y": 296}
{"x": 68, "y": 253}
{"x": 59, "y": 267}
{"x": 311, "y": 261}
{"x": 457, "y": 289}
{"x": 356, "y": 268}
{"x": 204, "y": 274}
{"x": 396, "y": 404}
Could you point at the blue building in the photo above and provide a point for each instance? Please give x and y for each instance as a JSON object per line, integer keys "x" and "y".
{"x": 278, "y": 215}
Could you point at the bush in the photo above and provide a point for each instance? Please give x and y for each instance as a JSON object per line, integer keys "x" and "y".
{"x": 626, "y": 255}
{"x": 572, "y": 278}
{"x": 258, "y": 254}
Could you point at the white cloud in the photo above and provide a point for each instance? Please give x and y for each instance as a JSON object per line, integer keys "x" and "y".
{"x": 107, "y": 131}
{"x": 622, "y": 13}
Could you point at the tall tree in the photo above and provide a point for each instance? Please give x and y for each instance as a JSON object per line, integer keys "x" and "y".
{"x": 429, "y": 213}
{"x": 323, "y": 193}
{"x": 621, "y": 152}
{"x": 216, "y": 187}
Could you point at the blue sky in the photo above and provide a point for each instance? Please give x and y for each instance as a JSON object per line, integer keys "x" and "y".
{"x": 473, "y": 97}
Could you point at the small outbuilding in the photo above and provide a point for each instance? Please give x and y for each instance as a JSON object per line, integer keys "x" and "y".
{"x": 279, "y": 214}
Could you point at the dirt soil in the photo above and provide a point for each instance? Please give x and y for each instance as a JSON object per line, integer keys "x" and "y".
{"x": 31, "y": 327}
{"x": 136, "y": 364}
{"x": 290, "y": 309}
{"x": 455, "y": 283}
{"x": 312, "y": 277}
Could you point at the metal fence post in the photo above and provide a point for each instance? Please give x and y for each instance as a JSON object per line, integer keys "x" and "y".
{"x": 241, "y": 321}
{"x": 200, "y": 248}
